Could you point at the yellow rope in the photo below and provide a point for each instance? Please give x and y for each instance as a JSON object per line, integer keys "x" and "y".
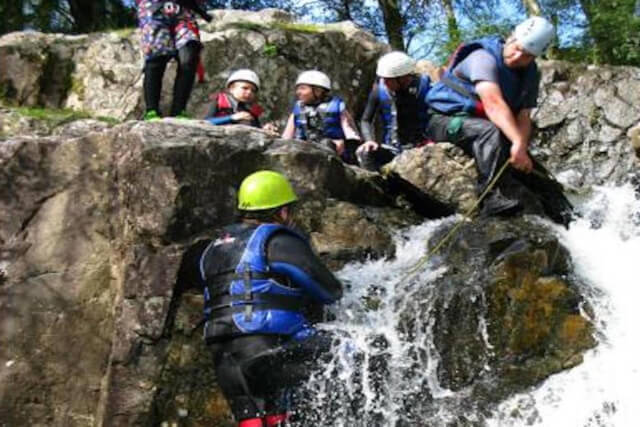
{"x": 413, "y": 270}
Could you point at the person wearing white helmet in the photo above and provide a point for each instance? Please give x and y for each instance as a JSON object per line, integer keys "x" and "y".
{"x": 483, "y": 103}
{"x": 320, "y": 117}
{"x": 399, "y": 97}
{"x": 237, "y": 103}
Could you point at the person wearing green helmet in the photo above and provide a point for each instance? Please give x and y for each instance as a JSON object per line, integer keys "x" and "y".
{"x": 263, "y": 289}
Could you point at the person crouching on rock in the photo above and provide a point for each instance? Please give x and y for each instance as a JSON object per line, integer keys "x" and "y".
{"x": 237, "y": 103}
{"x": 263, "y": 288}
{"x": 320, "y": 117}
{"x": 169, "y": 30}
{"x": 483, "y": 104}
{"x": 400, "y": 97}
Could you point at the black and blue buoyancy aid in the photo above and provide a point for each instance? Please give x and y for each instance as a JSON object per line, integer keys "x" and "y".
{"x": 244, "y": 294}
{"x": 318, "y": 121}
{"x": 390, "y": 113}
{"x": 453, "y": 94}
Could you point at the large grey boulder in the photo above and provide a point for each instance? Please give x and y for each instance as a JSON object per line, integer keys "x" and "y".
{"x": 92, "y": 231}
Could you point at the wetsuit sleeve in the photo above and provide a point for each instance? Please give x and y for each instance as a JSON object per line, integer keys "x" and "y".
{"x": 369, "y": 115}
{"x": 290, "y": 255}
{"x": 189, "y": 275}
{"x": 224, "y": 120}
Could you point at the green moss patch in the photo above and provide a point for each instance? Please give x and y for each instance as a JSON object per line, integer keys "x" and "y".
{"x": 56, "y": 117}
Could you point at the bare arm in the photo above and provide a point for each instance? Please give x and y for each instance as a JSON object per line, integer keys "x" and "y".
{"x": 290, "y": 129}
{"x": 517, "y": 130}
{"x": 348, "y": 126}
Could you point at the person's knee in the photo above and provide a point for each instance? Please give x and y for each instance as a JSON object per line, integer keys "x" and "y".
{"x": 156, "y": 63}
{"x": 188, "y": 55}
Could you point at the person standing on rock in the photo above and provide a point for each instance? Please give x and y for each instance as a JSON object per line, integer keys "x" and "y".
{"x": 400, "y": 97}
{"x": 263, "y": 286}
{"x": 483, "y": 104}
{"x": 169, "y": 30}
{"x": 237, "y": 104}
{"x": 319, "y": 117}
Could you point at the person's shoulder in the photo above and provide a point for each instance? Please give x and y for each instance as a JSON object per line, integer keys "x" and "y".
{"x": 481, "y": 55}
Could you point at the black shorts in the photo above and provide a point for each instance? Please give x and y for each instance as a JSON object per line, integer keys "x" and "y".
{"x": 258, "y": 372}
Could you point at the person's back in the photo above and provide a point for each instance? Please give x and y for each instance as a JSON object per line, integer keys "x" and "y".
{"x": 263, "y": 287}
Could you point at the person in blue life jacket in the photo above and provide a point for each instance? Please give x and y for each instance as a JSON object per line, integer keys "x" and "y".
{"x": 264, "y": 288}
{"x": 483, "y": 104}
{"x": 399, "y": 98}
{"x": 237, "y": 104}
{"x": 320, "y": 117}
{"x": 169, "y": 30}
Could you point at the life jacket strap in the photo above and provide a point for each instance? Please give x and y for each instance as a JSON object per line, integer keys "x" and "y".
{"x": 248, "y": 294}
{"x": 232, "y": 304}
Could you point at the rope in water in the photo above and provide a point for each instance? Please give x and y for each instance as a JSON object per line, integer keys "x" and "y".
{"x": 418, "y": 265}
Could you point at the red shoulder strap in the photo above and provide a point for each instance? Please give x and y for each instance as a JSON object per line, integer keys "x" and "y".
{"x": 223, "y": 101}
{"x": 256, "y": 110}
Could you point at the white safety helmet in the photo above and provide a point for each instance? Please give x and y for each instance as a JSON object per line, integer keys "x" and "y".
{"x": 534, "y": 34}
{"x": 395, "y": 64}
{"x": 314, "y": 78}
{"x": 244, "y": 75}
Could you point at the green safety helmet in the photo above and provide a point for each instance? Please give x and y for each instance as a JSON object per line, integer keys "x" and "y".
{"x": 265, "y": 190}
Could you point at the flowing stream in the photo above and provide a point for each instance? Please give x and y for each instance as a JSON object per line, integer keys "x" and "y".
{"x": 383, "y": 370}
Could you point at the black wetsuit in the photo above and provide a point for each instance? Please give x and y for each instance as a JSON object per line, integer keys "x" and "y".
{"x": 255, "y": 371}
{"x": 410, "y": 126}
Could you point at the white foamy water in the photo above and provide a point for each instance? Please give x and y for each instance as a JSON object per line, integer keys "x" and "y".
{"x": 383, "y": 371}
{"x": 605, "y": 248}
{"x": 377, "y": 367}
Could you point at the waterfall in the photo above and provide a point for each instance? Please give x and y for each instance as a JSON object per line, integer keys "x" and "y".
{"x": 383, "y": 370}
{"x": 605, "y": 247}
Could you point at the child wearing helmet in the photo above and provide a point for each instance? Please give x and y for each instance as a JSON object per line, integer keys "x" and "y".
{"x": 483, "y": 103}
{"x": 319, "y": 117}
{"x": 263, "y": 288}
{"x": 398, "y": 98}
{"x": 237, "y": 103}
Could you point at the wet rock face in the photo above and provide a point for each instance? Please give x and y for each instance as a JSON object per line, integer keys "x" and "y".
{"x": 507, "y": 312}
{"x": 92, "y": 232}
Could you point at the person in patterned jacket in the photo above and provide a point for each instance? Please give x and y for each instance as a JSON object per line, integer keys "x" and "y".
{"x": 169, "y": 30}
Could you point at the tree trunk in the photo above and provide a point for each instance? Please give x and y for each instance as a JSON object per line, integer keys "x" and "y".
{"x": 452, "y": 24}
{"x": 13, "y": 18}
{"x": 393, "y": 23}
{"x": 533, "y": 7}
{"x": 88, "y": 16}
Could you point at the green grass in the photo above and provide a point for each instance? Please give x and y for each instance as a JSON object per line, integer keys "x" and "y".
{"x": 56, "y": 117}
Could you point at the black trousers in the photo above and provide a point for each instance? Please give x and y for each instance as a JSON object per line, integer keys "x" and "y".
{"x": 258, "y": 372}
{"x": 479, "y": 138}
{"x": 154, "y": 69}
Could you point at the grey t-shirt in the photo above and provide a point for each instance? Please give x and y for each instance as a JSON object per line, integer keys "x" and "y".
{"x": 480, "y": 65}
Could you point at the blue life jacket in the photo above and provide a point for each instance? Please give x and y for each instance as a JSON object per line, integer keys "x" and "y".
{"x": 390, "y": 114}
{"x": 453, "y": 94}
{"x": 329, "y": 114}
{"x": 246, "y": 295}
